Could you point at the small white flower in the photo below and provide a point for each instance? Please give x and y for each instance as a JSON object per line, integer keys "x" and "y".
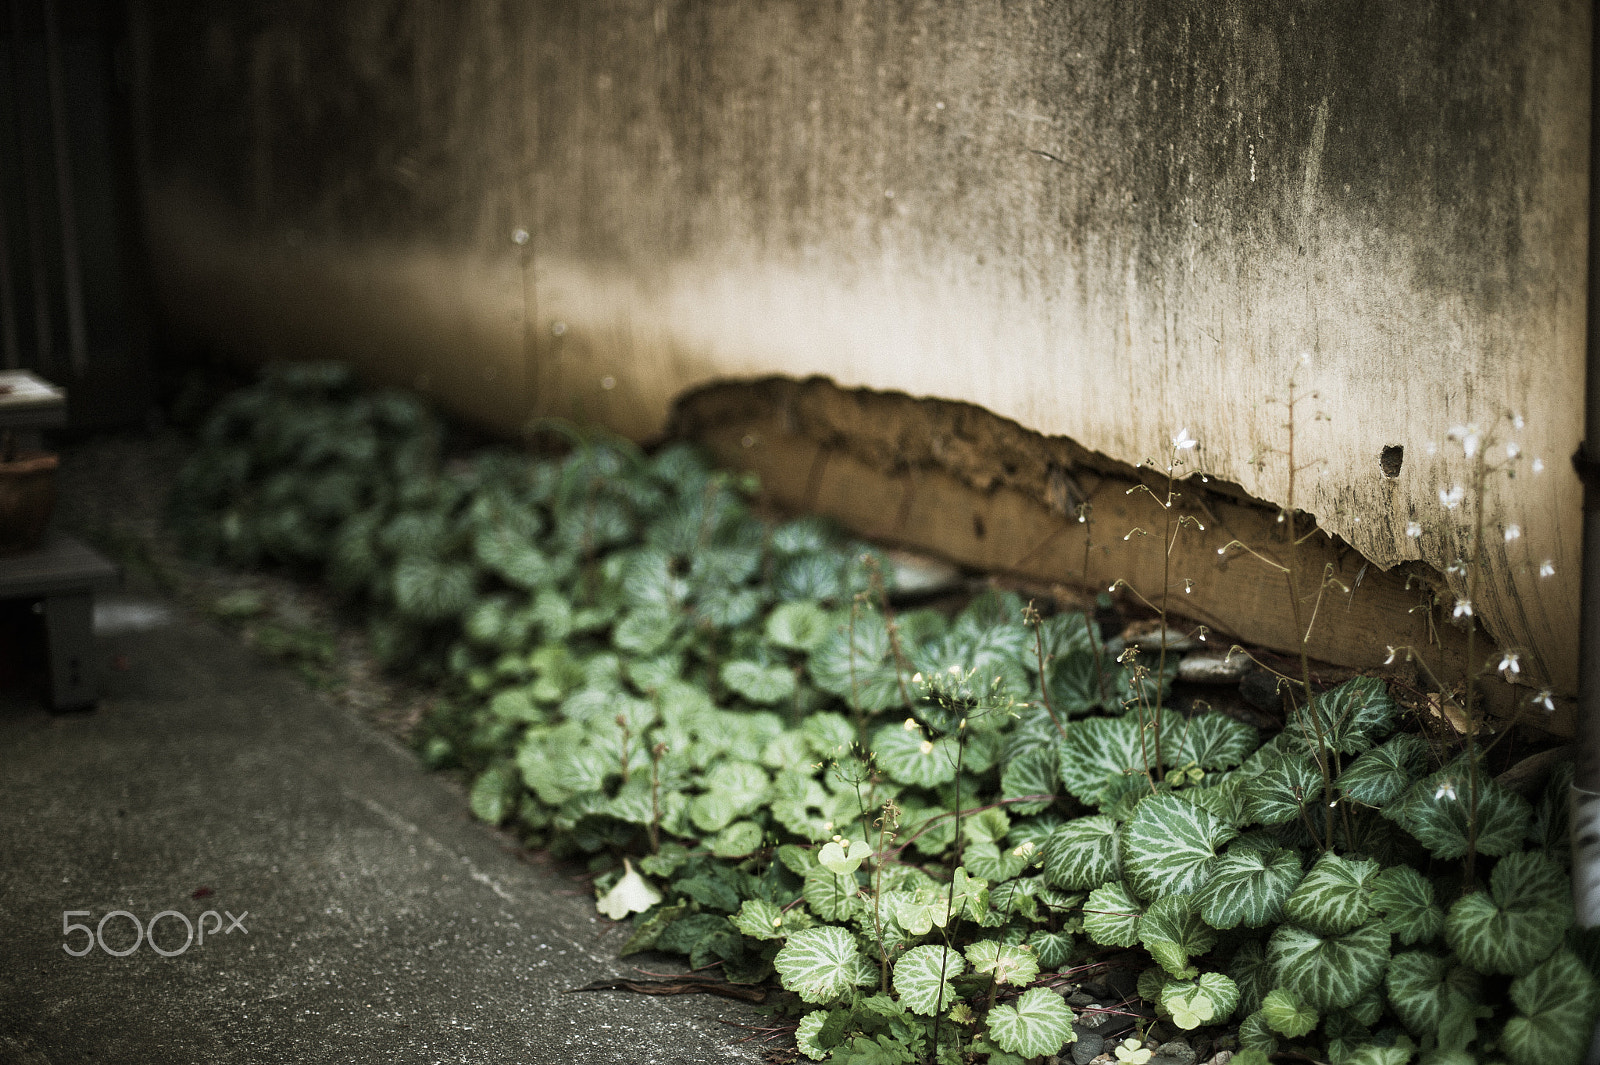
{"x": 1513, "y": 449}
{"x": 1547, "y": 568}
{"x": 1545, "y": 700}
{"x": 1392, "y": 652}
{"x": 1413, "y": 529}
{"x": 926, "y": 746}
{"x": 1509, "y": 664}
{"x": 1183, "y": 441}
{"x": 911, "y": 724}
{"x": 916, "y": 678}
{"x": 954, "y": 671}
{"x": 1538, "y": 465}
{"x": 519, "y": 236}
{"x": 1463, "y": 609}
{"x": 1222, "y": 550}
{"x": 1469, "y": 437}
{"x": 1451, "y": 497}
{"x": 1517, "y": 422}
{"x": 1446, "y": 790}
{"x": 1431, "y": 448}
{"x": 1512, "y": 532}
{"x": 1458, "y": 568}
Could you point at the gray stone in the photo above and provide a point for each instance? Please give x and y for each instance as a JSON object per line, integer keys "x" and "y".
{"x": 1214, "y": 667}
{"x": 1177, "y": 1052}
{"x": 1260, "y": 690}
{"x": 1088, "y": 1046}
{"x": 921, "y": 576}
{"x": 1081, "y": 999}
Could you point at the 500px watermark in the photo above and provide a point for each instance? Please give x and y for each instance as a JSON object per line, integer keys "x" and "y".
{"x": 145, "y": 932}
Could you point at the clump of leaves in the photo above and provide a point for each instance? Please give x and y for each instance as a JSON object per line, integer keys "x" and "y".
{"x": 922, "y": 826}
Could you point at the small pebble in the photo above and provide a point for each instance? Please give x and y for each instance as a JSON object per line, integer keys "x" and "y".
{"x": 1177, "y": 1052}
{"x": 918, "y": 576}
{"x": 1088, "y": 1046}
{"x": 1146, "y": 635}
{"x": 1080, "y": 999}
{"x": 1222, "y": 1057}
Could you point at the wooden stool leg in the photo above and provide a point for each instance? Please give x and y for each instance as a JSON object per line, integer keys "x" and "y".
{"x": 69, "y": 628}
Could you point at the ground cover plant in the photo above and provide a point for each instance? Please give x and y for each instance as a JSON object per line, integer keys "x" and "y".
{"x": 920, "y": 825}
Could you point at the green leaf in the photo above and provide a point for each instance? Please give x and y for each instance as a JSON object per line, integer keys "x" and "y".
{"x": 820, "y": 964}
{"x": 1406, "y": 901}
{"x": 909, "y": 757}
{"x": 1173, "y": 933}
{"x": 1250, "y": 969}
{"x": 799, "y": 626}
{"x": 1192, "y": 1003}
{"x": 494, "y": 793}
{"x": 1008, "y": 964}
{"x": 1335, "y": 896}
{"x": 1032, "y": 772}
{"x": 738, "y": 840}
{"x": 1099, "y": 752}
{"x": 922, "y": 977}
{"x": 760, "y": 684}
{"x": 858, "y": 668}
{"x": 1348, "y": 719}
{"x": 805, "y": 1036}
{"x": 429, "y": 591}
{"x": 1082, "y": 854}
{"x": 1214, "y": 741}
{"x": 1435, "y": 810}
{"x": 990, "y": 862}
{"x": 1283, "y": 790}
{"x": 1383, "y": 773}
{"x": 1051, "y": 948}
{"x": 1111, "y": 915}
{"x": 1285, "y": 1012}
{"x": 1329, "y": 971}
{"x": 1557, "y": 1001}
{"x": 760, "y": 919}
{"x": 1518, "y": 922}
{"x": 1249, "y": 887}
{"x": 1423, "y": 987}
{"x": 645, "y": 630}
{"x": 1256, "y": 1036}
{"x": 831, "y": 897}
{"x": 1075, "y": 682}
{"x": 1039, "y": 1024}
{"x": 1169, "y": 846}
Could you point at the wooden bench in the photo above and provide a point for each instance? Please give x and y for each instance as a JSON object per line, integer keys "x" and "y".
{"x": 62, "y": 577}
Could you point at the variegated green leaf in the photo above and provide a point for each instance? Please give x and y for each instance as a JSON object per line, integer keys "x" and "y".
{"x": 1406, "y": 901}
{"x": 831, "y": 897}
{"x": 1032, "y": 772}
{"x": 1051, "y": 948}
{"x": 1423, "y": 986}
{"x": 1518, "y": 922}
{"x": 1169, "y": 846}
{"x": 1384, "y": 772}
{"x": 911, "y": 758}
{"x": 1249, "y": 887}
{"x": 1253, "y": 974}
{"x": 1256, "y": 1036}
{"x": 759, "y": 919}
{"x": 1283, "y": 790}
{"x": 1172, "y": 931}
{"x": 1099, "y": 753}
{"x": 1288, "y": 1014}
{"x": 765, "y": 685}
{"x": 1335, "y": 896}
{"x": 1008, "y": 964}
{"x": 805, "y": 1036}
{"x": 1435, "y": 810}
{"x": 1111, "y": 915}
{"x": 1038, "y": 1025}
{"x": 819, "y": 964}
{"x": 1082, "y": 854}
{"x": 1329, "y": 971}
{"x": 1557, "y": 1001}
{"x": 1348, "y": 719}
{"x": 990, "y": 862}
{"x": 1208, "y": 1000}
{"x": 1214, "y": 741}
{"x": 922, "y": 977}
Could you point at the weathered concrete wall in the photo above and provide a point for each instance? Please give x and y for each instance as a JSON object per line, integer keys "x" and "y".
{"x": 1104, "y": 221}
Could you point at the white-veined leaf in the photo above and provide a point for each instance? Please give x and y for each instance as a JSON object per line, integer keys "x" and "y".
{"x": 1207, "y": 1000}
{"x": 1287, "y": 1013}
{"x": 858, "y": 666}
{"x": 1335, "y": 896}
{"x": 1406, "y": 901}
{"x": 819, "y": 964}
{"x": 1082, "y": 854}
{"x": 1383, "y": 773}
{"x": 1214, "y": 741}
{"x": 759, "y": 919}
{"x": 922, "y": 977}
{"x": 645, "y": 630}
{"x": 1423, "y": 987}
{"x": 1348, "y": 719}
{"x": 1435, "y": 810}
{"x": 1518, "y": 922}
{"x": 1329, "y": 971}
{"x": 1007, "y": 963}
{"x": 1038, "y": 1025}
{"x": 1172, "y": 931}
{"x": 760, "y": 684}
{"x": 1169, "y": 846}
{"x": 989, "y": 861}
{"x": 805, "y": 1035}
{"x": 831, "y": 897}
{"x": 1111, "y": 915}
{"x": 799, "y": 626}
{"x": 1557, "y": 1001}
{"x": 909, "y": 757}
{"x": 1032, "y": 772}
{"x": 1280, "y": 793}
{"x": 1249, "y": 887}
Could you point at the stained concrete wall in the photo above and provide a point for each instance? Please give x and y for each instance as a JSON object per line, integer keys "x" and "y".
{"x": 1106, "y": 222}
